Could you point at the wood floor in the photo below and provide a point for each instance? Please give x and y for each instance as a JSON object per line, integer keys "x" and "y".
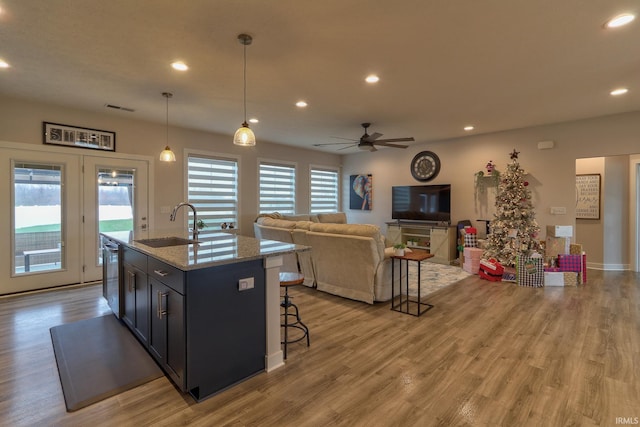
{"x": 487, "y": 354}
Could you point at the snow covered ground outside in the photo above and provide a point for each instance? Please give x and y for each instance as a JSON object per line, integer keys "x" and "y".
{"x": 27, "y": 216}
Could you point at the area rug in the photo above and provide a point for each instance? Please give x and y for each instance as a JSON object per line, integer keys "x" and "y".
{"x": 433, "y": 277}
{"x": 99, "y": 358}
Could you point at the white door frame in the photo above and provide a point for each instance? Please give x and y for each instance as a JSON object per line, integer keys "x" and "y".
{"x": 634, "y": 217}
{"x": 75, "y": 237}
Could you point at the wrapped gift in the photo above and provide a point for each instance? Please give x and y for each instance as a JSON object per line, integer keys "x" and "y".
{"x": 553, "y": 278}
{"x": 470, "y": 237}
{"x": 491, "y": 270}
{"x": 571, "y": 278}
{"x": 568, "y": 262}
{"x": 575, "y": 249}
{"x": 472, "y": 260}
{"x": 530, "y": 271}
{"x": 559, "y": 230}
{"x": 555, "y": 246}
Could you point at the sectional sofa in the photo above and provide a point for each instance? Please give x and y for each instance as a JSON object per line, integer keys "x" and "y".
{"x": 349, "y": 260}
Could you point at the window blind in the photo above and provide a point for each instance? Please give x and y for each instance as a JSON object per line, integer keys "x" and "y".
{"x": 213, "y": 189}
{"x": 277, "y": 188}
{"x": 323, "y": 192}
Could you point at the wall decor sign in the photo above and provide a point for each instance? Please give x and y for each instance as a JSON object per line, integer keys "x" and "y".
{"x": 72, "y": 136}
{"x": 360, "y": 194}
{"x": 588, "y": 196}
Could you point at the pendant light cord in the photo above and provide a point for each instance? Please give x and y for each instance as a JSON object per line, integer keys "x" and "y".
{"x": 245, "y": 84}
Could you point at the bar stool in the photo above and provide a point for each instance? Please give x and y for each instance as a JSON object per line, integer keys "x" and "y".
{"x": 287, "y": 280}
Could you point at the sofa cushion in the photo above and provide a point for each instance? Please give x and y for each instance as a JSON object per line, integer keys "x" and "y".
{"x": 335, "y": 218}
{"x": 364, "y": 230}
{"x": 278, "y": 223}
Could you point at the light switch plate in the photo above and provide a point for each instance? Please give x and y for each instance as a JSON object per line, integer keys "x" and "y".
{"x": 558, "y": 210}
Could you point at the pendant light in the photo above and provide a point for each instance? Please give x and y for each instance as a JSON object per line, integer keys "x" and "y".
{"x": 167, "y": 155}
{"x": 244, "y": 136}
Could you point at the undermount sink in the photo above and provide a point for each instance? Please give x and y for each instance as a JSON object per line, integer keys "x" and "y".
{"x": 162, "y": 242}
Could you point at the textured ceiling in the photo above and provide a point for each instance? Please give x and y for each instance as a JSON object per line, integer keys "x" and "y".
{"x": 496, "y": 64}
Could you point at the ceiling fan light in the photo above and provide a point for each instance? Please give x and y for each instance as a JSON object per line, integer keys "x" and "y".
{"x": 244, "y": 136}
{"x": 167, "y": 155}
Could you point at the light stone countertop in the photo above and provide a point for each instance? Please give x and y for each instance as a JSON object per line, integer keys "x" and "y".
{"x": 213, "y": 248}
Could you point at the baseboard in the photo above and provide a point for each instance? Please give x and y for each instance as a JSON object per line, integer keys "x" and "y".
{"x": 608, "y": 267}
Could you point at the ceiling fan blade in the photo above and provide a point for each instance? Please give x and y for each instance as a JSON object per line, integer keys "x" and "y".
{"x": 372, "y": 137}
{"x": 346, "y": 139}
{"x": 350, "y": 146}
{"x": 373, "y": 148}
{"x": 395, "y": 140}
{"x": 386, "y": 144}
{"x": 333, "y": 143}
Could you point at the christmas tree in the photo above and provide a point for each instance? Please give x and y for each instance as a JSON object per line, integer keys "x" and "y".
{"x": 514, "y": 230}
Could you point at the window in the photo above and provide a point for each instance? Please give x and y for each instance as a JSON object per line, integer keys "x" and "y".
{"x": 323, "y": 191}
{"x": 277, "y": 188}
{"x": 212, "y": 187}
{"x": 38, "y": 202}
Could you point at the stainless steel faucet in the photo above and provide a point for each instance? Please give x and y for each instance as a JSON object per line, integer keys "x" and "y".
{"x": 195, "y": 217}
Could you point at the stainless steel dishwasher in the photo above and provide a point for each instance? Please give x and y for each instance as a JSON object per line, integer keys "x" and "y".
{"x": 111, "y": 276}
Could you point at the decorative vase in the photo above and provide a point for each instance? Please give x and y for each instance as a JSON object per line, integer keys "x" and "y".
{"x": 399, "y": 252}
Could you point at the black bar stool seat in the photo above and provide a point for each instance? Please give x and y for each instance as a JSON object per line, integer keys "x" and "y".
{"x": 287, "y": 280}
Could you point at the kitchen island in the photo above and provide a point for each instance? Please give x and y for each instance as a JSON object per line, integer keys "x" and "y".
{"x": 208, "y": 312}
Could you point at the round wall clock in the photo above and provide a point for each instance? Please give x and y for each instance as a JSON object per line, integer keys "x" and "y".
{"x": 425, "y": 166}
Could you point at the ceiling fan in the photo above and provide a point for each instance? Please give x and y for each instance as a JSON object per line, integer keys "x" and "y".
{"x": 369, "y": 142}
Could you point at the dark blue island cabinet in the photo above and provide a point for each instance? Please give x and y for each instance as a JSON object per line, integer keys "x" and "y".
{"x": 205, "y": 329}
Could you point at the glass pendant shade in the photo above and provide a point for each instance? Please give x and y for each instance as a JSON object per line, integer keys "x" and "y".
{"x": 167, "y": 155}
{"x": 244, "y": 136}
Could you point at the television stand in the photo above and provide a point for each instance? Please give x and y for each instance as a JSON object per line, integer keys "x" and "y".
{"x": 439, "y": 240}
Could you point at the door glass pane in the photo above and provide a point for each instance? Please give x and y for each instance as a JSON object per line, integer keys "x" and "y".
{"x": 115, "y": 201}
{"x": 37, "y": 218}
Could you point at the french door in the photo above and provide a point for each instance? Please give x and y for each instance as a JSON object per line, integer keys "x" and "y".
{"x": 115, "y": 199}
{"x": 55, "y": 203}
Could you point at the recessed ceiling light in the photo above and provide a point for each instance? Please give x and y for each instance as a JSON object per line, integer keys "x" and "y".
{"x": 3, "y": 64}
{"x": 469, "y": 128}
{"x": 620, "y": 20}
{"x": 372, "y": 78}
{"x": 253, "y": 120}
{"x": 301, "y": 104}
{"x": 180, "y": 66}
{"x": 620, "y": 91}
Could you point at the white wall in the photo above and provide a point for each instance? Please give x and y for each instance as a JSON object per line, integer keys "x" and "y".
{"x": 552, "y": 172}
{"x": 21, "y": 122}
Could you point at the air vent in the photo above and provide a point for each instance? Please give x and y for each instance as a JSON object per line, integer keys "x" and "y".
{"x": 117, "y": 107}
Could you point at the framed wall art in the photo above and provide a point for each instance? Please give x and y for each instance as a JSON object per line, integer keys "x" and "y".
{"x": 588, "y": 196}
{"x": 72, "y": 136}
{"x": 361, "y": 191}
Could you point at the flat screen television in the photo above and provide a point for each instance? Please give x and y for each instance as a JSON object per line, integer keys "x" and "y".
{"x": 421, "y": 202}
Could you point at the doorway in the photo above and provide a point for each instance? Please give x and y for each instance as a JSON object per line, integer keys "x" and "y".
{"x": 56, "y": 202}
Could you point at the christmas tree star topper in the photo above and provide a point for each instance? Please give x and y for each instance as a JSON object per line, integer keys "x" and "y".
{"x": 514, "y": 154}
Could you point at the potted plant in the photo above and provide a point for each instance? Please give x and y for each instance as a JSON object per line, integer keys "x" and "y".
{"x": 399, "y": 249}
